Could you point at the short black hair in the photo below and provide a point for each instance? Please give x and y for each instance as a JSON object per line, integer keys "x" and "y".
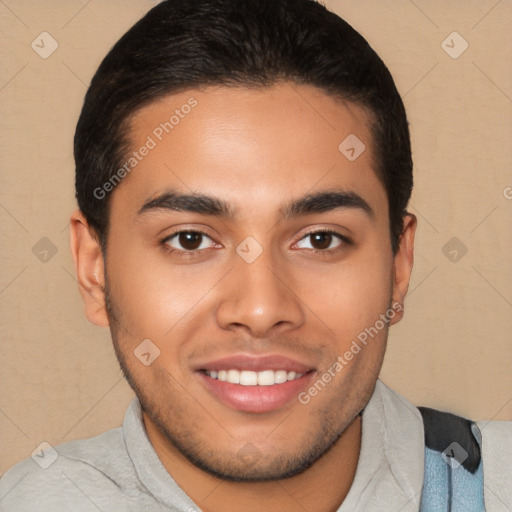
{"x": 179, "y": 45}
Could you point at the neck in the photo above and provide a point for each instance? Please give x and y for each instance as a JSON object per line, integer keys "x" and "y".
{"x": 322, "y": 487}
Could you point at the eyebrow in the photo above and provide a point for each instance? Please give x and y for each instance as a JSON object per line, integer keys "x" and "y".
{"x": 197, "y": 203}
{"x": 319, "y": 202}
{"x": 327, "y": 201}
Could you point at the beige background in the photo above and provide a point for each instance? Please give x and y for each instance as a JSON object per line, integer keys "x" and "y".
{"x": 59, "y": 379}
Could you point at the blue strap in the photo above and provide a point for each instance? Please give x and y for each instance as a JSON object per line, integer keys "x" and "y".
{"x": 454, "y": 479}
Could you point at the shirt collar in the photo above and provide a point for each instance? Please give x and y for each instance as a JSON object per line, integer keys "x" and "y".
{"x": 150, "y": 470}
{"x": 389, "y": 474}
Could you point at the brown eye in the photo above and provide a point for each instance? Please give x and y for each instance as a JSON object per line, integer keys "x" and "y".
{"x": 321, "y": 241}
{"x": 188, "y": 241}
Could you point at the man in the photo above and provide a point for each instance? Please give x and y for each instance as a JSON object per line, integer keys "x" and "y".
{"x": 243, "y": 169}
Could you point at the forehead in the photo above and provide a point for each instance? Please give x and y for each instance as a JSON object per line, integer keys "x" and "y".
{"x": 254, "y": 148}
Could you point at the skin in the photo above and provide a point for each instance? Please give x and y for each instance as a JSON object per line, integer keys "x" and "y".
{"x": 257, "y": 150}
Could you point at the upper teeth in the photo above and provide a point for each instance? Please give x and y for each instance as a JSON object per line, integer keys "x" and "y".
{"x": 249, "y": 378}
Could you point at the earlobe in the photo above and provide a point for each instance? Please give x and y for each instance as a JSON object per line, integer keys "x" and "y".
{"x": 402, "y": 266}
{"x": 89, "y": 268}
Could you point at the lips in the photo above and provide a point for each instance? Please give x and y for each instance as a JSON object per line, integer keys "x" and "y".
{"x": 255, "y": 384}
{"x": 256, "y": 363}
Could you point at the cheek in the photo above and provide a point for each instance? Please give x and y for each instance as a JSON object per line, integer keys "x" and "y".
{"x": 153, "y": 296}
{"x": 351, "y": 296}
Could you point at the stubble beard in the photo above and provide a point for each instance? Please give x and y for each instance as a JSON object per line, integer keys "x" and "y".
{"x": 178, "y": 425}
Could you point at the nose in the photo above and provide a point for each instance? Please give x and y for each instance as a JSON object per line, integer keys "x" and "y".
{"x": 259, "y": 298}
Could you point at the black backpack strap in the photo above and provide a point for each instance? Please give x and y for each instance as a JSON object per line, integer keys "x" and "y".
{"x": 443, "y": 428}
{"x": 453, "y": 479}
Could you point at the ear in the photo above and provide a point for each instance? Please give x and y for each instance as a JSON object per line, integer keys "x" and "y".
{"x": 402, "y": 266}
{"x": 89, "y": 268}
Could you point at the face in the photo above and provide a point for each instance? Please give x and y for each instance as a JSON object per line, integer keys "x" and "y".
{"x": 254, "y": 255}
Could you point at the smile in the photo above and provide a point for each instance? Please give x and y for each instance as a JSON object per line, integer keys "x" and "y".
{"x": 251, "y": 378}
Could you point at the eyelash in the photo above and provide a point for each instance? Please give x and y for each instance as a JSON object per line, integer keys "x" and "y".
{"x": 188, "y": 254}
{"x": 181, "y": 252}
{"x": 343, "y": 239}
